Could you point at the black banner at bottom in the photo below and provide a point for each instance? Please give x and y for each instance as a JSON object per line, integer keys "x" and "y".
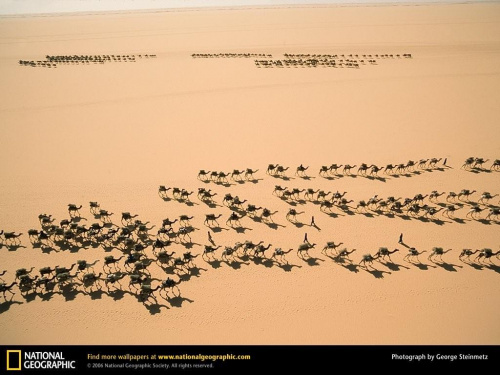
{"x": 217, "y": 359}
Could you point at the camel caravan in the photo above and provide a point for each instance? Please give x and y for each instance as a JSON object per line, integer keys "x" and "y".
{"x": 229, "y": 55}
{"x": 152, "y": 261}
{"x": 55, "y": 61}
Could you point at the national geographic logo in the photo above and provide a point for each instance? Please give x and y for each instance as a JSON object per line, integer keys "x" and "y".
{"x": 13, "y": 360}
{"x": 17, "y": 360}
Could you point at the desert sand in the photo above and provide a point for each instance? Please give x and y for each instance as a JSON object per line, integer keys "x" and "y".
{"x": 114, "y": 132}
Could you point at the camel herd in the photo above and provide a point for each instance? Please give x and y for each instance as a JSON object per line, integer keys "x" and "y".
{"x": 54, "y": 61}
{"x": 229, "y": 55}
{"x": 142, "y": 250}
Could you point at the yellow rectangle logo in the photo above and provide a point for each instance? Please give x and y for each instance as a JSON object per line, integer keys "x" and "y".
{"x": 13, "y": 365}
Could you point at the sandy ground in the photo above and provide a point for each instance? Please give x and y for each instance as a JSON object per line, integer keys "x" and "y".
{"x": 113, "y": 132}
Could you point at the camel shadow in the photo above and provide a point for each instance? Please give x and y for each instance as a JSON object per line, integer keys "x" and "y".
{"x": 47, "y": 296}
{"x": 212, "y": 204}
{"x": 394, "y": 266}
{"x": 189, "y": 245}
{"x": 241, "y": 229}
{"x": 96, "y": 294}
{"x": 214, "y": 263}
{"x": 117, "y": 294}
{"x": 287, "y": 267}
{"x": 256, "y": 180}
{"x": 217, "y": 229}
{"x": 333, "y": 215}
{"x": 291, "y": 203}
{"x": 459, "y": 221}
{"x": 484, "y": 221}
{"x": 438, "y": 221}
{"x": 193, "y": 272}
{"x": 69, "y": 292}
{"x": 234, "y": 264}
{"x": 5, "y": 306}
{"x": 284, "y": 178}
{"x": 367, "y": 214}
{"x": 493, "y": 267}
{"x": 330, "y": 178}
{"x": 476, "y": 266}
{"x": 225, "y": 184}
{"x": 274, "y": 225}
{"x": 378, "y": 274}
{"x": 154, "y": 308}
{"x": 268, "y": 263}
{"x": 14, "y": 247}
{"x": 307, "y": 178}
{"x": 447, "y": 266}
{"x": 177, "y": 301}
{"x": 297, "y": 224}
{"x": 422, "y": 266}
{"x": 381, "y": 179}
{"x": 350, "y": 267}
{"x": 312, "y": 261}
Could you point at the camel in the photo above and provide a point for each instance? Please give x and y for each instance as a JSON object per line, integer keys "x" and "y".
{"x": 227, "y": 200}
{"x": 267, "y": 215}
{"x": 467, "y": 253}
{"x": 400, "y": 168}
{"x": 228, "y": 251}
{"x": 213, "y": 176}
{"x": 94, "y": 208}
{"x": 168, "y": 223}
{"x": 309, "y": 194}
{"x": 207, "y": 196}
{"x": 422, "y": 163}
{"x": 338, "y": 196}
{"x": 110, "y": 259}
{"x": 496, "y": 165}
{"x": 291, "y": 216}
{"x": 344, "y": 253}
{"x": 164, "y": 257}
{"x": 26, "y": 281}
{"x": 184, "y": 220}
{"x": 331, "y": 246}
{"x": 127, "y": 218}
{"x": 373, "y": 201}
{"x": 332, "y": 169}
{"x": 33, "y": 234}
{"x": 301, "y": 171}
{"x": 46, "y": 271}
{"x": 361, "y": 205}
{"x": 431, "y": 211}
{"x": 11, "y": 237}
{"x": 326, "y": 206}
{"x": 249, "y": 245}
{"x": 1, "y": 274}
{"x": 419, "y": 198}
{"x": 374, "y": 170}
{"x": 236, "y": 175}
{"x": 433, "y": 162}
{"x": 184, "y": 232}
{"x": 363, "y": 168}
{"x": 59, "y": 270}
{"x": 466, "y": 193}
{"x": 132, "y": 258}
{"x": 222, "y": 177}
{"x": 486, "y": 254}
{"x": 271, "y": 169}
{"x": 451, "y": 196}
{"x": 389, "y": 168}
{"x": 45, "y": 219}
{"x": 252, "y": 210}
{"x": 90, "y": 278}
{"x": 413, "y": 253}
{"x": 169, "y": 284}
{"x": 486, "y": 196}
{"x": 141, "y": 265}
{"x": 237, "y": 203}
{"x": 43, "y": 281}
{"x": 23, "y": 271}
{"x": 323, "y": 170}
{"x": 493, "y": 213}
{"x": 410, "y": 165}
{"x": 249, "y": 174}
{"x": 344, "y": 203}
{"x": 209, "y": 250}
{"x": 437, "y": 252}
{"x": 280, "y": 170}
{"x": 474, "y": 212}
{"x": 384, "y": 252}
{"x": 468, "y": 163}
{"x": 367, "y": 259}
{"x": 73, "y": 210}
{"x": 478, "y": 162}
{"x": 147, "y": 291}
{"x": 64, "y": 223}
{"x": 304, "y": 248}
{"x": 113, "y": 278}
{"x": 434, "y": 195}
{"x": 278, "y": 252}
{"x": 347, "y": 168}
{"x": 159, "y": 244}
{"x": 234, "y": 219}
{"x": 203, "y": 175}
{"x": 210, "y": 219}
{"x": 185, "y": 195}
{"x": 7, "y": 288}
{"x": 260, "y": 250}
{"x": 322, "y": 195}
{"x": 450, "y": 210}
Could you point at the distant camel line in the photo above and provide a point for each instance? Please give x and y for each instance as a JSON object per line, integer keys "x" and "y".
{"x": 229, "y": 55}
{"x": 54, "y": 61}
{"x": 413, "y": 207}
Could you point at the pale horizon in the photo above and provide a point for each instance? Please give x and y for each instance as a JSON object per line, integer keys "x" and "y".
{"x": 22, "y": 7}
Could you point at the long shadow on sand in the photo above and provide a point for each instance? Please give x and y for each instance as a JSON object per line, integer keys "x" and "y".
{"x": 5, "y": 306}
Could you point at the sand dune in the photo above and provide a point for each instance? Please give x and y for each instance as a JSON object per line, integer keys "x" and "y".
{"x": 113, "y": 133}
